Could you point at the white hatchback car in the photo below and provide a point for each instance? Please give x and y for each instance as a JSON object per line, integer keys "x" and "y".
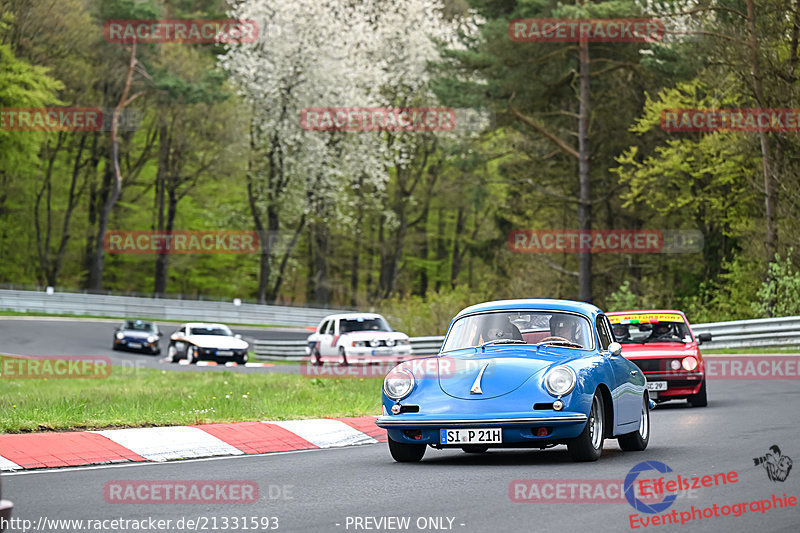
{"x": 355, "y": 337}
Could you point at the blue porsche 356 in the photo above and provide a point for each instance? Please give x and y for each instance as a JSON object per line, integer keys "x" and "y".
{"x": 519, "y": 373}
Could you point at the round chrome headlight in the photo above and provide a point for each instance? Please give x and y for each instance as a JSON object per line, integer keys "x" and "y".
{"x": 152, "y": 339}
{"x": 389, "y": 342}
{"x": 560, "y": 380}
{"x": 120, "y": 336}
{"x": 689, "y": 363}
{"x": 375, "y": 343}
{"x": 675, "y": 364}
{"x": 398, "y": 384}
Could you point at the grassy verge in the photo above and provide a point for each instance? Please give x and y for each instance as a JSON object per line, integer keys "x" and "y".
{"x": 147, "y": 397}
{"x": 765, "y": 349}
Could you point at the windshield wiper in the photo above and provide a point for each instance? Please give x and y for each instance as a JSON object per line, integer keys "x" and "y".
{"x": 502, "y": 341}
{"x": 560, "y": 343}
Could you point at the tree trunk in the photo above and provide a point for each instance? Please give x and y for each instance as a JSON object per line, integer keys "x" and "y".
{"x": 585, "y": 199}
{"x": 162, "y": 259}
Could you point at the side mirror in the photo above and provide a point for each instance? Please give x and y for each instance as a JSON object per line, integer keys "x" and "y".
{"x": 615, "y": 348}
{"x": 703, "y": 337}
{"x": 160, "y": 334}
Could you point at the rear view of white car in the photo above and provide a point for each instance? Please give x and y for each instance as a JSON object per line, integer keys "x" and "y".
{"x": 356, "y": 338}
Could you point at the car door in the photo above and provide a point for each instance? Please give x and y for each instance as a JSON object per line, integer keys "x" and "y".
{"x": 178, "y": 339}
{"x": 627, "y": 396}
{"x": 325, "y": 339}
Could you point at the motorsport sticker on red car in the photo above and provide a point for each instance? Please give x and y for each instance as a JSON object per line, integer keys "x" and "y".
{"x": 645, "y": 318}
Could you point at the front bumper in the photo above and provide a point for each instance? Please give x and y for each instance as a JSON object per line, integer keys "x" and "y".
{"x": 679, "y": 384}
{"x": 138, "y": 344}
{"x": 516, "y": 429}
{"x": 212, "y": 354}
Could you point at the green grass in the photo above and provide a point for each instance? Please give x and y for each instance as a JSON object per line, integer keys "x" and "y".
{"x": 146, "y": 397}
{"x": 765, "y": 349}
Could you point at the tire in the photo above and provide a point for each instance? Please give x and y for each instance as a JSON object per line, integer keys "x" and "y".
{"x": 701, "y": 398}
{"x": 242, "y": 359}
{"x": 636, "y": 441}
{"x": 475, "y": 449}
{"x": 317, "y": 361}
{"x": 406, "y": 453}
{"x": 115, "y": 347}
{"x": 191, "y": 355}
{"x": 172, "y": 354}
{"x": 588, "y": 446}
{"x": 343, "y": 358}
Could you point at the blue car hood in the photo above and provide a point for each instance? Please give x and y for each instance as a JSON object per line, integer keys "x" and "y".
{"x": 504, "y": 372}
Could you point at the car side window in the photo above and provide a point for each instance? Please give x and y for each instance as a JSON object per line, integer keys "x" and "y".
{"x": 329, "y": 328}
{"x": 603, "y": 332}
{"x": 323, "y": 327}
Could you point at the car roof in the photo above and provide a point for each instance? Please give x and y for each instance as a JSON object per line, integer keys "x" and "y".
{"x": 534, "y": 304}
{"x": 644, "y": 311}
{"x": 352, "y": 316}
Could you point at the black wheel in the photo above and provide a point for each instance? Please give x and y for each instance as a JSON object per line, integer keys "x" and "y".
{"x": 317, "y": 361}
{"x": 636, "y": 441}
{"x": 700, "y": 399}
{"x": 172, "y": 354}
{"x": 191, "y": 355}
{"x": 475, "y": 449}
{"x": 115, "y": 347}
{"x": 242, "y": 359}
{"x": 406, "y": 453}
{"x": 343, "y": 358}
{"x": 588, "y": 446}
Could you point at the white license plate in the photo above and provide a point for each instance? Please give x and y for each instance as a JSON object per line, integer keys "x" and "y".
{"x": 656, "y": 385}
{"x": 224, "y": 352}
{"x": 471, "y": 436}
{"x": 382, "y": 351}
{"x": 134, "y": 345}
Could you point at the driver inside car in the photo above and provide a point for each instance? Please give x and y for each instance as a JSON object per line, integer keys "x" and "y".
{"x": 662, "y": 330}
{"x": 563, "y": 327}
{"x": 621, "y": 332}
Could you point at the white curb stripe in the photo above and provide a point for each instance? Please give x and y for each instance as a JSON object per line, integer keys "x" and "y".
{"x": 326, "y": 433}
{"x": 5, "y": 464}
{"x": 169, "y": 443}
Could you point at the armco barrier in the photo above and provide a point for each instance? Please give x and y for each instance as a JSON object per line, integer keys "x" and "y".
{"x": 160, "y": 308}
{"x": 784, "y": 331}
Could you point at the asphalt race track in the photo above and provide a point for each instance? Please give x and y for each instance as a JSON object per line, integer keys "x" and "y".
{"x": 317, "y": 490}
{"x": 352, "y": 489}
{"x": 67, "y": 336}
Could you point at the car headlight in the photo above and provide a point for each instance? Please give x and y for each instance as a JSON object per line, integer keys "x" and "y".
{"x": 560, "y": 381}
{"x": 389, "y": 342}
{"x": 398, "y": 384}
{"x": 403, "y": 341}
{"x": 375, "y": 343}
{"x": 359, "y": 344}
{"x": 689, "y": 363}
{"x": 120, "y": 336}
{"x": 152, "y": 339}
{"x": 675, "y": 364}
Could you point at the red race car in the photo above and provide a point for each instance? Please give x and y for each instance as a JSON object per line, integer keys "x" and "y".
{"x": 661, "y": 343}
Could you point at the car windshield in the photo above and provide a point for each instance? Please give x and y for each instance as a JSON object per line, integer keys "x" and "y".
{"x": 136, "y": 325}
{"x": 212, "y": 330}
{"x": 520, "y": 327}
{"x": 364, "y": 324}
{"x": 641, "y": 329}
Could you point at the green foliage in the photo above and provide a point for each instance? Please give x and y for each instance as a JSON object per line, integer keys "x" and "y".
{"x": 779, "y": 295}
{"x": 622, "y": 299}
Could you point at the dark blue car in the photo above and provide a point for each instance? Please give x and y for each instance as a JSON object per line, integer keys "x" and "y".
{"x": 519, "y": 373}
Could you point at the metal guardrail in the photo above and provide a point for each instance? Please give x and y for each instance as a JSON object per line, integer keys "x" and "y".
{"x": 784, "y": 331}
{"x": 160, "y": 308}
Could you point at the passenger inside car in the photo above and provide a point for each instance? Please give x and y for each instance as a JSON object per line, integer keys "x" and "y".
{"x": 498, "y": 327}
